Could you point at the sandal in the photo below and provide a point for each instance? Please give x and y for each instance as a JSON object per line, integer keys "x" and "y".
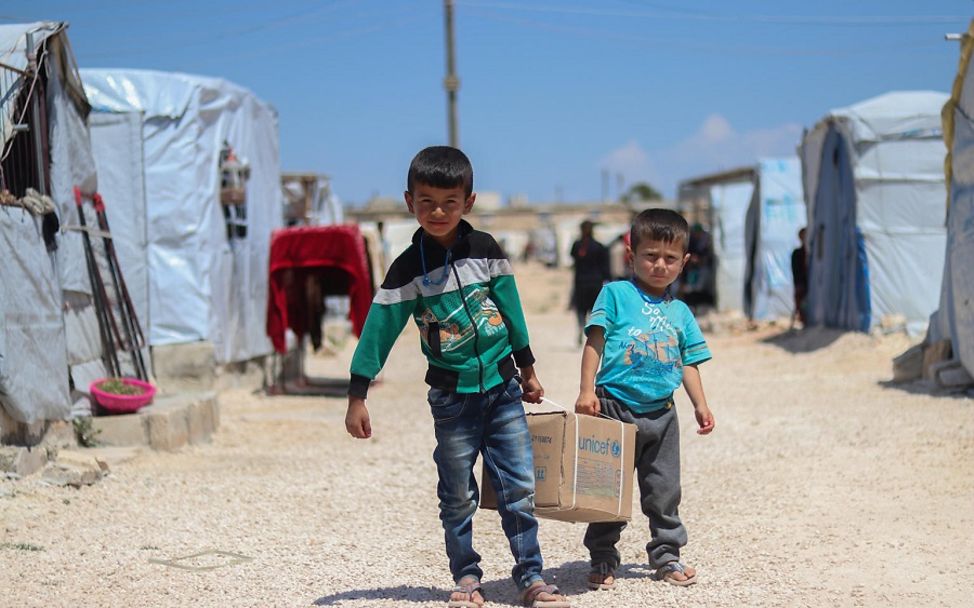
{"x": 665, "y": 573}
{"x": 556, "y": 600}
{"x": 602, "y": 577}
{"x": 467, "y": 586}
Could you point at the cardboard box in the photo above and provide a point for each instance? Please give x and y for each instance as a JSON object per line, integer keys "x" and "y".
{"x": 583, "y": 468}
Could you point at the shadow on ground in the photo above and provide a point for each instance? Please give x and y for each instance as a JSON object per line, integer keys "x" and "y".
{"x": 570, "y": 577}
{"x": 923, "y": 387}
{"x": 804, "y": 340}
{"x": 311, "y": 386}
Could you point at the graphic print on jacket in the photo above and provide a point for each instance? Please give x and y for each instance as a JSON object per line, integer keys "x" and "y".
{"x": 455, "y": 330}
{"x": 470, "y": 326}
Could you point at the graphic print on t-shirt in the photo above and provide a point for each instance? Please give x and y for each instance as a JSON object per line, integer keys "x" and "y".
{"x": 654, "y": 348}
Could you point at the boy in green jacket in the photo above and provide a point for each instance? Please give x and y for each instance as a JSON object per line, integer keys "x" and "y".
{"x": 458, "y": 286}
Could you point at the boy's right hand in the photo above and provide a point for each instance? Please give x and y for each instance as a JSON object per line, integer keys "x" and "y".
{"x": 357, "y": 421}
{"x": 587, "y": 403}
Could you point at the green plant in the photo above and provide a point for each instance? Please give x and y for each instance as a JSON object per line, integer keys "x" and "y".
{"x": 117, "y": 386}
{"x": 85, "y": 431}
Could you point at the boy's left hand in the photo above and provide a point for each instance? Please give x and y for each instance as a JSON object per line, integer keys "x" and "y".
{"x": 705, "y": 419}
{"x": 530, "y": 386}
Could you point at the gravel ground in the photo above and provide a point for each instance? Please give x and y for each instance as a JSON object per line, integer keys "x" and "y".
{"x": 821, "y": 486}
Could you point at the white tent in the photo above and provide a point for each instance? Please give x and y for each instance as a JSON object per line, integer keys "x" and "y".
{"x": 755, "y": 213}
{"x": 729, "y": 203}
{"x": 198, "y": 278}
{"x": 49, "y": 337}
{"x": 955, "y": 317}
{"x": 875, "y": 200}
{"x": 774, "y": 217}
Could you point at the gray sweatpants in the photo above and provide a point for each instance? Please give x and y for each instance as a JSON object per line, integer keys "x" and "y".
{"x": 658, "y": 474}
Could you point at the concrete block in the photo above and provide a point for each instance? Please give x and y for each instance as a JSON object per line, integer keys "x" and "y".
{"x": 22, "y": 461}
{"x": 184, "y": 367}
{"x": 195, "y": 417}
{"x": 954, "y": 376}
{"x": 932, "y": 354}
{"x": 75, "y": 469}
{"x": 121, "y": 430}
{"x": 168, "y": 428}
{"x": 909, "y": 365}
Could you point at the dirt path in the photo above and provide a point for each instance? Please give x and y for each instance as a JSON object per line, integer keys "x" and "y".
{"x": 821, "y": 486}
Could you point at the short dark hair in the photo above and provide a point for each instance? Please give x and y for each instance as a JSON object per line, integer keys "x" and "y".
{"x": 441, "y": 167}
{"x": 659, "y": 225}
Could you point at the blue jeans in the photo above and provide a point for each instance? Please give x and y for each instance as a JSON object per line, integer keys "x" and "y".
{"x": 492, "y": 424}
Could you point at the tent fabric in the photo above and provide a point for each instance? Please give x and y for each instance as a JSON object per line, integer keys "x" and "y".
{"x": 13, "y": 53}
{"x": 955, "y": 317}
{"x": 874, "y": 182}
{"x": 315, "y": 248}
{"x": 49, "y": 334}
{"x": 202, "y": 284}
{"x": 33, "y": 348}
{"x": 729, "y": 203}
{"x": 774, "y": 217}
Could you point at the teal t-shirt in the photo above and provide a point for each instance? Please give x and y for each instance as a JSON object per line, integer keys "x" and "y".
{"x": 647, "y": 343}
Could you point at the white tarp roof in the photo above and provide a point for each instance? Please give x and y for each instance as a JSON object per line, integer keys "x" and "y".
{"x": 876, "y": 247}
{"x": 201, "y": 284}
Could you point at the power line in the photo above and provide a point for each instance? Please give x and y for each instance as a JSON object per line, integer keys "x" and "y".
{"x": 682, "y": 44}
{"x": 826, "y": 20}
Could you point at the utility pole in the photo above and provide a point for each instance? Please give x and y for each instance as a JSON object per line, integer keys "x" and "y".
{"x": 451, "y": 83}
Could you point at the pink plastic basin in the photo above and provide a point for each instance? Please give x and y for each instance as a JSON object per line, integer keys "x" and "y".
{"x": 122, "y": 404}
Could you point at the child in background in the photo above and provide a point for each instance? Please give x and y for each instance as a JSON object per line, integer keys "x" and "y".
{"x": 648, "y": 344}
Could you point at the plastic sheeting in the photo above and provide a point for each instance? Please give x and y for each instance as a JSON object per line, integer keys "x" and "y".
{"x": 955, "y": 317}
{"x": 774, "y": 217}
{"x": 202, "y": 285}
{"x": 13, "y": 53}
{"x": 49, "y": 327}
{"x": 33, "y": 351}
{"x": 729, "y": 203}
{"x": 873, "y": 175}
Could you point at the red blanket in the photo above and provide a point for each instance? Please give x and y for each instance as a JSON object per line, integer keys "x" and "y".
{"x": 335, "y": 256}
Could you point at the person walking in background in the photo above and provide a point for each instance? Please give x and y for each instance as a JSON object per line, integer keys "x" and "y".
{"x": 591, "y": 271}
{"x": 799, "y": 274}
{"x": 458, "y": 287}
{"x": 648, "y": 344}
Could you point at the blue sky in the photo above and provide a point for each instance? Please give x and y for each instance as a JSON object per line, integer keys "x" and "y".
{"x": 552, "y": 91}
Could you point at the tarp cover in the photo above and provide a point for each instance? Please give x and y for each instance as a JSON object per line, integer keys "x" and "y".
{"x": 49, "y": 327}
{"x": 776, "y": 213}
{"x": 33, "y": 352}
{"x": 202, "y": 285}
{"x": 729, "y": 203}
{"x": 955, "y": 318}
{"x": 297, "y": 251}
{"x": 876, "y": 222}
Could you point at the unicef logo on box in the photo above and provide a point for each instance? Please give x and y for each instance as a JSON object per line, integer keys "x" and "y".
{"x": 616, "y": 449}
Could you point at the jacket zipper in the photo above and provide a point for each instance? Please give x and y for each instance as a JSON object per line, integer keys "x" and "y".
{"x": 473, "y": 325}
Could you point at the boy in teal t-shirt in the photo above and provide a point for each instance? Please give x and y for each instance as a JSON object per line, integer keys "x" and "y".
{"x": 648, "y": 344}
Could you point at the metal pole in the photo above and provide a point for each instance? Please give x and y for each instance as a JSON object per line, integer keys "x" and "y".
{"x": 451, "y": 83}
{"x": 35, "y": 117}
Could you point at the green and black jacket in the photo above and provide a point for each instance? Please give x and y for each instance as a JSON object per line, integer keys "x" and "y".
{"x": 471, "y": 326}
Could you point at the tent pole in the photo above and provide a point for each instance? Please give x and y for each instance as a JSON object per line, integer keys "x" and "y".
{"x": 35, "y": 116}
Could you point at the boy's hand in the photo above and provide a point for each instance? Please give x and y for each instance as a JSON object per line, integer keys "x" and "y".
{"x": 357, "y": 421}
{"x": 588, "y": 404}
{"x": 530, "y": 386}
{"x": 705, "y": 419}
